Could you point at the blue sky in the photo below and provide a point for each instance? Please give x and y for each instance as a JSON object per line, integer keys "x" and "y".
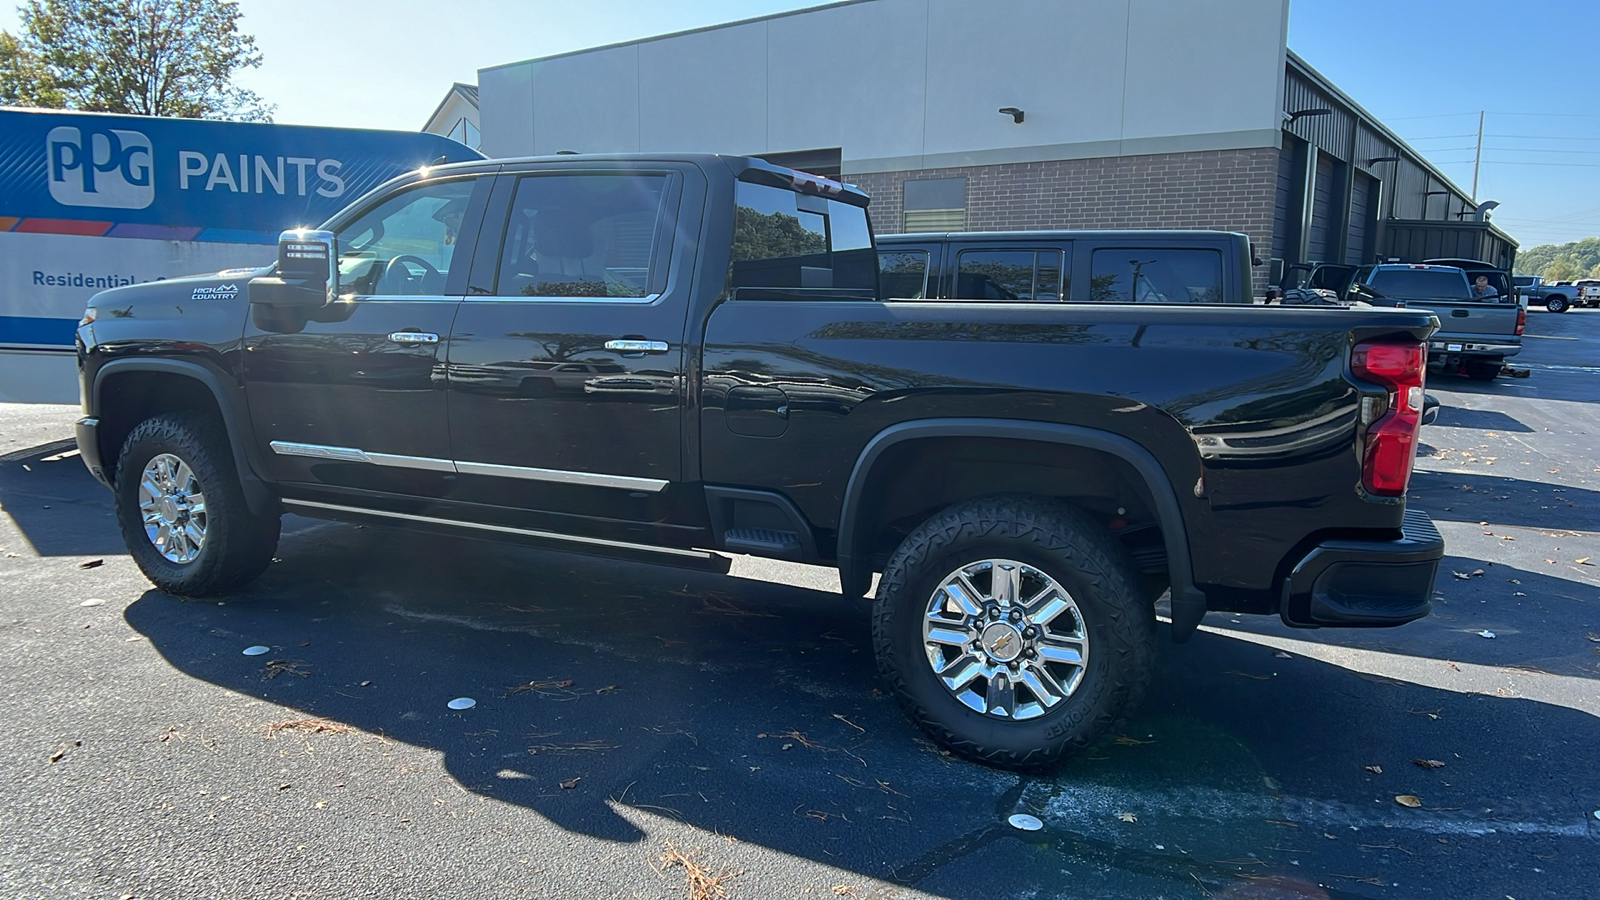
{"x": 1424, "y": 68}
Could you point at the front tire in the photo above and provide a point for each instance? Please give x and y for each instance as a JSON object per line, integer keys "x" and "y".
{"x": 1557, "y": 304}
{"x": 1013, "y": 630}
{"x": 182, "y": 512}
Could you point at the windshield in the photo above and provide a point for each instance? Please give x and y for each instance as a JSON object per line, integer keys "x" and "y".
{"x": 1420, "y": 284}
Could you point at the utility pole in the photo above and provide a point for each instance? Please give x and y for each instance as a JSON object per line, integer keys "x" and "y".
{"x": 1477, "y": 158}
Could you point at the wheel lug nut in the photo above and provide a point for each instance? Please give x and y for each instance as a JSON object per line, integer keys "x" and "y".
{"x": 1029, "y": 632}
{"x": 1028, "y": 653}
{"x": 1016, "y": 614}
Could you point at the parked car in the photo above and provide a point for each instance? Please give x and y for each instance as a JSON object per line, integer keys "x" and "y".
{"x": 1028, "y": 478}
{"x": 1558, "y": 298}
{"x": 1127, "y": 266}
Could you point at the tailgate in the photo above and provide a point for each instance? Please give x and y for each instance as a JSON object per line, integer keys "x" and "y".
{"x": 1498, "y": 319}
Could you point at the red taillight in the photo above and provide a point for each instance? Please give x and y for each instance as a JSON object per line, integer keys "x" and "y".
{"x": 1392, "y": 439}
{"x": 1522, "y": 318}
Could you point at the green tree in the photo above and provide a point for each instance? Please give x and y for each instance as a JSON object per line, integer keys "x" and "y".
{"x": 24, "y": 80}
{"x": 1560, "y": 262}
{"x": 145, "y": 57}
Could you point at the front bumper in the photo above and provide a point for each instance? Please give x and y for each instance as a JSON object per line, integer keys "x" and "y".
{"x": 1354, "y": 584}
{"x": 88, "y": 434}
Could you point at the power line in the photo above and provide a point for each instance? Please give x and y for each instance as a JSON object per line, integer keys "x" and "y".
{"x": 1515, "y": 162}
{"x": 1543, "y": 137}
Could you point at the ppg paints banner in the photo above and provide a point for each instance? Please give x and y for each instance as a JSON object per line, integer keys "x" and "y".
{"x": 189, "y": 179}
{"x": 92, "y": 200}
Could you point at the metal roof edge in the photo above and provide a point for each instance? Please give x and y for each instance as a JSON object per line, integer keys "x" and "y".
{"x": 1322, "y": 83}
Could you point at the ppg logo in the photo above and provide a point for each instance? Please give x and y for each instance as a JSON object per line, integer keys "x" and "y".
{"x": 110, "y": 168}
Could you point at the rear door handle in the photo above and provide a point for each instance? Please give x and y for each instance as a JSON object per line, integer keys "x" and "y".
{"x": 630, "y": 345}
{"x": 414, "y": 337}
{"x": 1460, "y": 313}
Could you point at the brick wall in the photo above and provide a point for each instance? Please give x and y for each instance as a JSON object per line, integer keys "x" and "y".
{"x": 1229, "y": 190}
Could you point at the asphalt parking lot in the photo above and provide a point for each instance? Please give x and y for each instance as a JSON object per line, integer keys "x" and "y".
{"x": 635, "y": 726}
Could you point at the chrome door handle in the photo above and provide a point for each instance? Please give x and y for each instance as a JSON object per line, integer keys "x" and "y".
{"x": 414, "y": 337}
{"x": 632, "y": 346}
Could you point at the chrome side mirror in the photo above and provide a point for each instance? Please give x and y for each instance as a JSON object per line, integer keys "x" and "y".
{"x": 307, "y": 273}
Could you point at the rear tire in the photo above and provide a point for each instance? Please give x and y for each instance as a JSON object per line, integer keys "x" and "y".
{"x": 182, "y": 512}
{"x": 945, "y": 657}
{"x": 1557, "y": 304}
{"x": 1483, "y": 370}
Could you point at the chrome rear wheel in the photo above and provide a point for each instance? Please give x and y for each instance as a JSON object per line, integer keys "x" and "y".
{"x": 1005, "y": 639}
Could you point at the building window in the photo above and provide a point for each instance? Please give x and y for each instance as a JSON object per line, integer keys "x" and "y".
{"x": 936, "y": 204}
{"x": 465, "y": 132}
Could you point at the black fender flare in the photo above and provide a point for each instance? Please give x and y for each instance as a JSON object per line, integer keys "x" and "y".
{"x": 1188, "y": 602}
{"x": 256, "y": 494}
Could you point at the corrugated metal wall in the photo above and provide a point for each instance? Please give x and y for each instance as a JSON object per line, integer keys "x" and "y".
{"x": 1324, "y": 218}
{"x": 1283, "y": 221}
{"x": 1356, "y": 251}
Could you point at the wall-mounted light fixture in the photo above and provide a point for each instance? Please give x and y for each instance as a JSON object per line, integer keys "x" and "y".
{"x": 1015, "y": 114}
{"x": 1378, "y": 159}
{"x": 1290, "y": 118}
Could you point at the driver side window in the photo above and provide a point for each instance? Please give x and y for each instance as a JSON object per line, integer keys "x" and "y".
{"x": 403, "y": 247}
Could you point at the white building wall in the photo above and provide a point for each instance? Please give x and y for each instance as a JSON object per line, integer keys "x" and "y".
{"x": 906, "y": 84}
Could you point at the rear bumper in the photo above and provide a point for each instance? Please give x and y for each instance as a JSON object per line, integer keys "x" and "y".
{"x": 1354, "y": 584}
{"x": 88, "y": 434}
{"x": 1470, "y": 345}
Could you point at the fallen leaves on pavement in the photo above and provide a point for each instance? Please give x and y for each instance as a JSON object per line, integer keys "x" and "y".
{"x": 1428, "y": 763}
{"x": 1408, "y": 800}
{"x": 308, "y": 726}
{"x": 698, "y": 880}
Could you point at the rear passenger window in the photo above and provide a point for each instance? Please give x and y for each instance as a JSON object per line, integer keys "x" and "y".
{"x": 903, "y": 274}
{"x": 1141, "y": 275}
{"x": 785, "y": 241}
{"x": 1012, "y": 276}
{"x": 582, "y": 236}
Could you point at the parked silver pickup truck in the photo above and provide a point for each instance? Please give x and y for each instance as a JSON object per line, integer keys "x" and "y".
{"x": 1558, "y": 298}
{"x": 1477, "y": 332}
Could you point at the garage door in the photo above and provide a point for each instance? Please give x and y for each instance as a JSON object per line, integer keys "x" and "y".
{"x": 1323, "y": 238}
{"x": 1356, "y": 251}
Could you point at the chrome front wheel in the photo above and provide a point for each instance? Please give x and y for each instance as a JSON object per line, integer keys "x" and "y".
{"x": 1005, "y": 639}
{"x": 173, "y": 508}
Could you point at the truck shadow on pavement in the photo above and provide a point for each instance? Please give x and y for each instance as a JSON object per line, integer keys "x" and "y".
{"x": 1484, "y": 419}
{"x": 59, "y": 508}
{"x": 1502, "y": 500}
{"x": 609, "y": 695}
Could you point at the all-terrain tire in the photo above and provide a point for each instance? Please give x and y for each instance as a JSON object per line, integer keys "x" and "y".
{"x": 1483, "y": 370}
{"x": 238, "y": 545}
{"x": 1557, "y": 304}
{"x": 1084, "y": 559}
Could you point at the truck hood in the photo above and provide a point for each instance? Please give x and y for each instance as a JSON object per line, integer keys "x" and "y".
{"x": 225, "y": 285}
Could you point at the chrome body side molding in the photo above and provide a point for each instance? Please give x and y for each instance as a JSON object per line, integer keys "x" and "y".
{"x": 560, "y": 476}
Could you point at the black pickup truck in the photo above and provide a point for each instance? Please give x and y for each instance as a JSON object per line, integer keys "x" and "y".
{"x": 663, "y": 357}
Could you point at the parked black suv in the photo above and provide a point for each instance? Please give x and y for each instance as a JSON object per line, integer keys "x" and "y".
{"x": 1027, "y": 477}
